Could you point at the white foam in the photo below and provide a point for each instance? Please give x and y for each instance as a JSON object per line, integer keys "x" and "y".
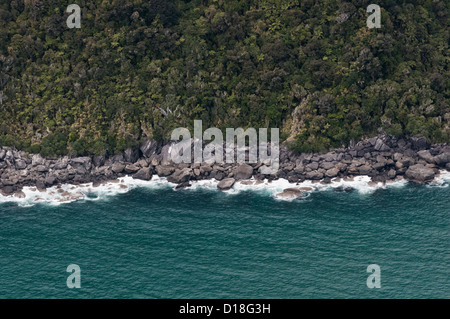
{"x": 441, "y": 180}
{"x": 362, "y": 184}
{"x": 67, "y": 193}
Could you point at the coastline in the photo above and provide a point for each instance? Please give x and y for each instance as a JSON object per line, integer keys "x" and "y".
{"x": 376, "y": 162}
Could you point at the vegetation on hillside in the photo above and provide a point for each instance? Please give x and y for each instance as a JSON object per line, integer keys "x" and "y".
{"x": 137, "y": 69}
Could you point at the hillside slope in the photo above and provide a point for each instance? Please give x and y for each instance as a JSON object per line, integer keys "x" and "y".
{"x": 138, "y": 69}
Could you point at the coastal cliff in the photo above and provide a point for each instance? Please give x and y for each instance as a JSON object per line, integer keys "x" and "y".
{"x": 383, "y": 158}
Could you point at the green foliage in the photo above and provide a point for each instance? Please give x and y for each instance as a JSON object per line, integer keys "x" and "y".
{"x": 138, "y": 69}
{"x": 54, "y": 144}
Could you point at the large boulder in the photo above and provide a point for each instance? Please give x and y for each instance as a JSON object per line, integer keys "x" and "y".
{"x": 131, "y": 168}
{"x": 314, "y": 175}
{"x": 61, "y": 163}
{"x": 365, "y": 169}
{"x": 118, "y": 168}
{"x": 333, "y": 172}
{"x": 7, "y": 190}
{"x": 442, "y": 159}
{"x": 144, "y": 174}
{"x": 243, "y": 171}
{"x": 37, "y": 159}
{"x": 164, "y": 170}
{"x": 84, "y": 162}
{"x": 420, "y": 173}
{"x": 426, "y": 156}
{"x": 419, "y": 143}
{"x": 21, "y": 164}
{"x": 180, "y": 176}
{"x": 226, "y": 184}
{"x": 50, "y": 180}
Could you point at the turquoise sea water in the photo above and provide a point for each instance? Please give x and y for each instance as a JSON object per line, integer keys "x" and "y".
{"x": 161, "y": 243}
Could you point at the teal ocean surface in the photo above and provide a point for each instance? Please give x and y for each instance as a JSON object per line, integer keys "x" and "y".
{"x": 154, "y": 242}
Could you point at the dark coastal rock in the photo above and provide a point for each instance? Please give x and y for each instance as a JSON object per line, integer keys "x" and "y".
{"x": 419, "y": 143}
{"x": 118, "y": 168}
{"x": 163, "y": 171}
{"x": 381, "y": 146}
{"x": 313, "y": 166}
{"x": 131, "y": 168}
{"x": 61, "y": 163}
{"x": 84, "y": 162}
{"x": 293, "y": 178}
{"x": 327, "y": 165}
{"x": 391, "y": 174}
{"x": 131, "y": 155}
{"x": 365, "y": 169}
{"x": 180, "y": 176}
{"x": 144, "y": 174}
{"x": 21, "y": 164}
{"x": 333, "y": 172}
{"x": 7, "y": 190}
{"x": 148, "y": 148}
{"x": 217, "y": 175}
{"x": 426, "y": 156}
{"x": 10, "y": 181}
{"x": 37, "y": 160}
{"x": 226, "y": 184}
{"x": 442, "y": 159}
{"x": 183, "y": 185}
{"x": 314, "y": 175}
{"x": 205, "y": 169}
{"x": 98, "y": 160}
{"x": 420, "y": 173}
{"x": 116, "y": 159}
{"x": 50, "y": 180}
{"x": 40, "y": 185}
{"x": 243, "y": 171}
{"x": 382, "y": 158}
{"x": 41, "y": 168}
{"x": 142, "y": 163}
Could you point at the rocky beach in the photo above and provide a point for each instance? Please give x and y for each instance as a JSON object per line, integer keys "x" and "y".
{"x": 383, "y": 158}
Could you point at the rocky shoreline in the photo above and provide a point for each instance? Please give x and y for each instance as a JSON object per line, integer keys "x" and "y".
{"x": 383, "y": 158}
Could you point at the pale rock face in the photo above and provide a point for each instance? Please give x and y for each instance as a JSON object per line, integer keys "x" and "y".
{"x": 148, "y": 148}
{"x": 290, "y": 193}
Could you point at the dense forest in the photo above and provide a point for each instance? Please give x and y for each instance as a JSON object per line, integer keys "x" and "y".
{"x": 137, "y": 69}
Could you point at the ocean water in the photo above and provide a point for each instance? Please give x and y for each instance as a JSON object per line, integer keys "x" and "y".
{"x": 150, "y": 241}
